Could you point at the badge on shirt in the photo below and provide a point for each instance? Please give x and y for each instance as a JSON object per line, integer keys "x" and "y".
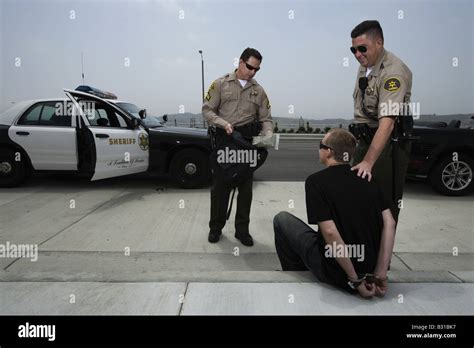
{"x": 392, "y": 84}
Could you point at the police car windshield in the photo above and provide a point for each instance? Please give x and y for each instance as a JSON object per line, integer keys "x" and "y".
{"x": 130, "y": 108}
{"x": 149, "y": 121}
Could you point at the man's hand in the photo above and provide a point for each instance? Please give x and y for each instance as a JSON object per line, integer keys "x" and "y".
{"x": 381, "y": 290}
{"x": 364, "y": 168}
{"x": 366, "y": 290}
{"x": 229, "y": 129}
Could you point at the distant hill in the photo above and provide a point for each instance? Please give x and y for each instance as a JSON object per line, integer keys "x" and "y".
{"x": 189, "y": 120}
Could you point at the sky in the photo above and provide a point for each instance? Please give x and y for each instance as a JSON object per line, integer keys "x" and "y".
{"x": 146, "y": 52}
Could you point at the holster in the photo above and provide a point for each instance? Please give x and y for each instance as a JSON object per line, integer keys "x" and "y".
{"x": 404, "y": 124}
{"x": 212, "y": 132}
{"x": 362, "y": 131}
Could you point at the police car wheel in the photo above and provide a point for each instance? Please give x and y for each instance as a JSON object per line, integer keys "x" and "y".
{"x": 12, "y": 172}
{"x": 453, "y": 176}
{"x": 190, "y": 168}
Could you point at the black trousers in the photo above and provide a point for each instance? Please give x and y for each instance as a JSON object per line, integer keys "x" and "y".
{"x": 383, "y": 170}
{"x": 220, "y": 192}
{"x": 297, "y": 245}
{"x": 220, "y": 202}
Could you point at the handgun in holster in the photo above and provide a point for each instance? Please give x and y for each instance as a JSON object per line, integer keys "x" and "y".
{"x": 362, "y": 131}
{"x": 404, "y": 127}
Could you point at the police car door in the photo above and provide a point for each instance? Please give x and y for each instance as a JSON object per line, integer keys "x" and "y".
{"x": 47, "y": 134}
{"x": 120, "y": 148}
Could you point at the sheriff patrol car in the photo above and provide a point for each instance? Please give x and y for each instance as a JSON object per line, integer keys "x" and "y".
{"x": 97, "y": 138}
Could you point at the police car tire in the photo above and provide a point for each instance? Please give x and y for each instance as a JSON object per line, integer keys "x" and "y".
{"x": 18, "y": 172}
{"x": 194, "y": 158}
{"x": 436, "y": 178}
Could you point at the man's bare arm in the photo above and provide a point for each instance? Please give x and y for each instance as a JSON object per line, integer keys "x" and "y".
{"x": 382, "y": 135}
{"x": 386, "y": 244}
{"x": 331, "y": 234}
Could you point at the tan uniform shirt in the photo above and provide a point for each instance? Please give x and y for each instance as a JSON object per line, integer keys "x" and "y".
{"x": 227, "y": 102}
{"x": 388, "y": 91}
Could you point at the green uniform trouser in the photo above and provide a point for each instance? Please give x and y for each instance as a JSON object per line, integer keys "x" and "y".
{"x": 220, "y": 202}
{"x": 383, "y": 173}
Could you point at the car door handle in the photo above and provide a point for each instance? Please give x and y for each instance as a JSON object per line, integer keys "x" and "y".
{"x": 101, "y": 135}
{"x": 23, "y": 133}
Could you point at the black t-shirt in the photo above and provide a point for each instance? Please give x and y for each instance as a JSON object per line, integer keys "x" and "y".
{"x": 355, "y": 205}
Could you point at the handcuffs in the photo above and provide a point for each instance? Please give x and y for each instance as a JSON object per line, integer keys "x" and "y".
{"x": 369, "y": 278}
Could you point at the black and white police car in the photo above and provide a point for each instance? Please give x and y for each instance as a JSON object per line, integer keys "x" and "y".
{"x": 99, "y": 137}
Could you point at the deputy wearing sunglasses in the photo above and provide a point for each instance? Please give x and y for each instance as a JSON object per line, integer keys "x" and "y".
{"x": 382, "y": 91}
{"x": 236, "y": 102}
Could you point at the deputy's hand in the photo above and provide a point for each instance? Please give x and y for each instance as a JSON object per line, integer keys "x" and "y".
{"x": 268, "y": 135}
{"x": 364, "y": 169}
{"x": 229, "y": 129}
{"x": 366, "y": 290}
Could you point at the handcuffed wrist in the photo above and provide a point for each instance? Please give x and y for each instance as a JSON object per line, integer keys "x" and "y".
{"x": 354, "y": 283}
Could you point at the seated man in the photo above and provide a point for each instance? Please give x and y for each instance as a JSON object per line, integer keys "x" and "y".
{"x": 353, "y": 247}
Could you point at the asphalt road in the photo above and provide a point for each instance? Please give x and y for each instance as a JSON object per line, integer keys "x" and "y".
{"x": 293, "y": 161}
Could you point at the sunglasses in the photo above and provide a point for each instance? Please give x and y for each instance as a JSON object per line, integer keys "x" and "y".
{"x": 323, "y": 146}
{"x": 361, "y": 49}
{"x": 251, "y": 68}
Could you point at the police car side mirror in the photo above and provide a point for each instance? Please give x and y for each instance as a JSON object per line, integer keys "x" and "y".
{"x": 142, "y": 114}
{"x": 165, "y": 118}
{"x": 135, "y": 122}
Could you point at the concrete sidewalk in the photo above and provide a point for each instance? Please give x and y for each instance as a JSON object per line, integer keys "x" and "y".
{"x": 133, "y": 249}
{"x": 97, "y": 298}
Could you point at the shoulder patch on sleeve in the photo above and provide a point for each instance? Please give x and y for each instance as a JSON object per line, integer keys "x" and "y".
{"x": 392, "y": 84}
{"x": 212, "y": 87}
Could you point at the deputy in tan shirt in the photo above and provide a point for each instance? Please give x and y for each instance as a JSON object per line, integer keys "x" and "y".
{"x": 389, "y": 84}
{"x": 227, "y": 102}
{"x": 382, "y": 93}
{"x": 235, "y": 101}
